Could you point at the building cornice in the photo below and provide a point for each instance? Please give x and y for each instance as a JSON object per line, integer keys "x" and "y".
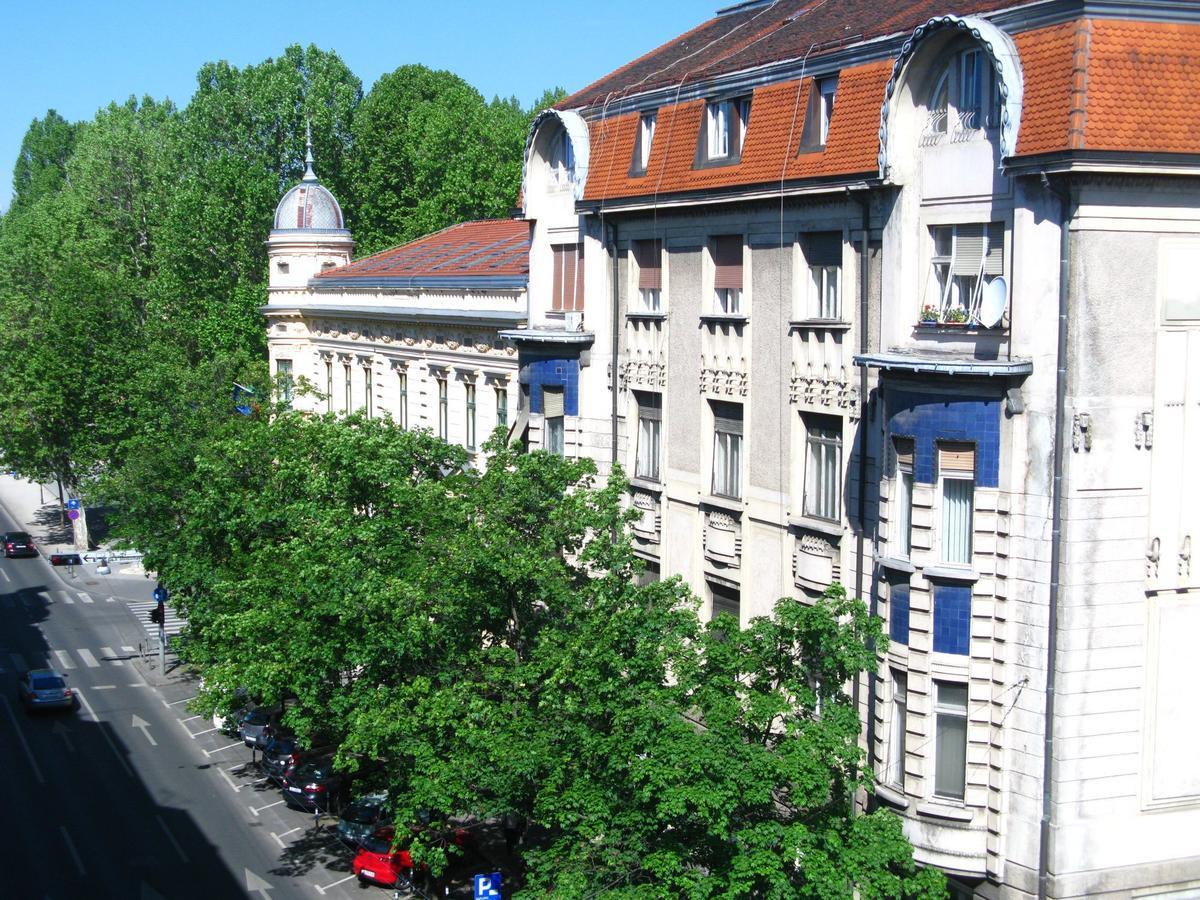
{"x": 489, "y": 317}
{"x": 733, "y": 194}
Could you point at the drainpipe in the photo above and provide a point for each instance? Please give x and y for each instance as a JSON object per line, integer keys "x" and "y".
{"x": 1067, "y": 206}
{"x": 616, "y": 325}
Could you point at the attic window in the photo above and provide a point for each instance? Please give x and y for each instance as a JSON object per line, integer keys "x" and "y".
{"x": 562, "y": 160}
{"x": 965, "y": 98}
{"x": 723, "y": 132}
{"x": 281, "y": 265}
{"x": 645, "y": 140}
{"x": 820, "y": 113}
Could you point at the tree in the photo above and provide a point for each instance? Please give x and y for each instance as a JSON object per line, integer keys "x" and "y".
{"x": 41, "y": 167}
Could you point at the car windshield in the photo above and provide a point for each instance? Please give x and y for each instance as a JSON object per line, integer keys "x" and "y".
{"x": 281, "y": 746}
{"x": 316, "y": 770}
{"x": 257, "y": 717}
{"x": 362, "y": 813}
{"x": 378, "y": 843}
{"x": 48, "y": 683}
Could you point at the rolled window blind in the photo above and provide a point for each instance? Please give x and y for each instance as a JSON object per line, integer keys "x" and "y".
{"x": 727, "y": 258}
{"x": 993, "y": 263}
{"x": 955, "y": 456}
{"x": 649, "y": 260}
{"x": 552, "y": 402}
{"x": 823, "y": 248}
{"x": 727, "y": 417}
{"x": 904, "y": 453}
{"x": 968, "y": 249}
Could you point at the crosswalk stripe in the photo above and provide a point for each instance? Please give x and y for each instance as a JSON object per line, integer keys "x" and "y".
{"x": 42, "y": 595}
{"x": 110, "y": 599}
{"x": 85, "y": 597}
{"x": 64, "y": 659}
{"x": 18, "y": 662}
{"x": 88, "y": 659}
{"x": 128, "y": 649}
{"x": 111, "y": 656}
{"x": 67, "y": 598}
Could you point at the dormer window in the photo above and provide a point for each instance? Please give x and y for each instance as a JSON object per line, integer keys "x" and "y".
{"x": 966, "y": 97}
{"x": 724, "y": 131}
{"x": 645, "y": 140}
{"x": 562, "y": 160}
{"x": 819, "y": 115}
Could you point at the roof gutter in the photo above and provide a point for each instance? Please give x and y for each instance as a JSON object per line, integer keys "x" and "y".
{"x": 735, "y": 194}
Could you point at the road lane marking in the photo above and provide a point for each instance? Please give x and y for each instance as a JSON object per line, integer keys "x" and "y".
{"x": 18, "y": 661}
{"x": 62, "y": 829}
{"x": 261, "y": 808}
{"x": 139, "y": 722}
{"x": 184, "y": 700}
{"x": 67, "y": 598}
{"x": 110, "y": 599}
{"x": 104, "y": 731}
{"x": 5, "y": 574}
{"x": 322, "y": 890}
{"x": 110, "y": 655}
{"x": 104, "y": 687}
{"x": 229, "y": 781}
{"x": 24, "y": 743}
{"x": 128, "y": 649}
{"x": 170, "y": 837}
{"x": 88, "y": 659}
{"x": 190, "y": 718}
{"x": 85, "y": 596}
{"x": 43, "y": 596}
{"x": 64, "y": 659}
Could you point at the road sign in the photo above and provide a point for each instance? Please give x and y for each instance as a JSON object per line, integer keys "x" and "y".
{"x": 72, "y": 514}
{"x": 73, "y": 503}
{"x": 160, "y": 595}
{"x": 487, "y": 886}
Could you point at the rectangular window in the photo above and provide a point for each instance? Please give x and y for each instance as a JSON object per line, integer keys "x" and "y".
{"x": 898, "y": 739}
{"x": 645, "y": 141}
{"x": 818, "y": 114}
{"x": 725, "y": 125}
{"x": 823, "y": 254}
{"x": 649, "y": 440}
{"x": 402, "y": 405}
{"x": 898, "y": 613}
{"x": 443, "y": 409}
{"x": 368, "y": 390}
{"x": 502, "y": 407}
{"x": 470, "y": 416}
{"x": 725, "y": 599}
{"x": 727, "y": 449}
{"x": 554, "y": 413}
{"x": 956, "y": 468}
{"x": 965, "y": 260}
{"x": 649, "y": 575}
{"x": 823, "y": 468}
{"x": 950, "y": 748}
{"x": 826, "y": 91}
{"x": 328, "y": 385}
{"x": 283, "y": 377}
{"x": 972, "y": 82}
{"x": 648, "y": 257}
{"x": 727, "y": 274}
{"x": 568, "y": 278}
{"x": 902, "y": 499}
{"x": 346, "y": 377}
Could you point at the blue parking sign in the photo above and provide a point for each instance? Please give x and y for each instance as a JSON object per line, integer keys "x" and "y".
{"x": 72, "y": 503}
{"x": 487, "y": 886}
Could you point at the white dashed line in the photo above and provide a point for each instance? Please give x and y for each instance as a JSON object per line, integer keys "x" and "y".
{"x": 110, "y": 656}
{"x": 74, "y": 853}
{"x": 105, "y": 687}
{"x": 88, "y": 659}
{"x": 67, "y": 598}
{"x": 64, "y": 659}
{"x": 104, "y": 731}
{"x": 85, "y": 597}
{"x": 24, "y": 743}
{"x": 5, "y": 574}
{"x": 128, "y": 649}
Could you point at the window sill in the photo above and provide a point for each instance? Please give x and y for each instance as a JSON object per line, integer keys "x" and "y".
{"x": 724, "y": 318}
{"x": 729, "y": 504}
{"x": 956, "y": 328}
{"x": 823, "y": 526}
{"x": 951, "y": 573}
{"x": 639, "y": 314}
{"x": 940, "y": 809}
{"x": 646, "y": 484}
{"x": 716, "y": 162}
{"x": 891, "y": 796}
{"x": 896, "y": 564}
{"x": 818, "y": 325}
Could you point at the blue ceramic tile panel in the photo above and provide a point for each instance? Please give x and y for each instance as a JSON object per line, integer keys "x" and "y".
{"x": 898, "y": 614}
{"x": 929, "y": 418}
{"x": 952, "y": 619}
{"x": 562, "y": 373}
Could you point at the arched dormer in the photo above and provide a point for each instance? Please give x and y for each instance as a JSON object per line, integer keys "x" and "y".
{"x": 955, "y": 80}
{"x": 556, "y": 156}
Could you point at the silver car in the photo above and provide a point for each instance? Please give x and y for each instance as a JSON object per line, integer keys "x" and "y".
{"x": 44, "y": 689}
{"x": 254, "y": 724}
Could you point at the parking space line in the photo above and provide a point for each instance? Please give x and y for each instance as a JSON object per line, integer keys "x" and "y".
{"x": 279, "y": 837}
{"x": 229, "y": 780}
{"x": 261, "y": 808}
{"x": 62, "y": 829}
{"x": 5, "y": 574}
{"x": 222, "y": 749}
{"x": 24, "y": 743}
{"x": 64, "y": 659}
{"x": 170, "y": 837}
{"x": 205, "y": 731}
{"x": 322, "y": 890}
{"x": 184, "y": 700}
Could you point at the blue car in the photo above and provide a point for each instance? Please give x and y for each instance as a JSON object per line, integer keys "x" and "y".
{"x": 44, "y": 689}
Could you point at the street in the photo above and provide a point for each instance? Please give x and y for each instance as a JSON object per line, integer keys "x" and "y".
{"x": 131, "y": 795}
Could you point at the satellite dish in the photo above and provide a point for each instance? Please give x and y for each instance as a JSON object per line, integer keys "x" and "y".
{"x": 994, "y": 302}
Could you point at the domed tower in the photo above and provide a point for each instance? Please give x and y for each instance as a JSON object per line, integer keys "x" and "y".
{"x": 309, "y": 236}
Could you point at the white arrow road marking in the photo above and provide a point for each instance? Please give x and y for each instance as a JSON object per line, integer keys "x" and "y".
{"x": 64, "y": 659}
{"x": 65, "y": 733}
{"x": 255, "y": 885}
{"x": 88, "y": 659}
{"x": 170, "y": 837}
{"x": 110, "y": 656}
{"x": 261, "y": 808}
{"x": 145, "y": 726}
{"x": 24, "y": 743}
{"x": 71, "y": 846}
{"x": 85, "y": 597}
{"x": 322, "y": 890}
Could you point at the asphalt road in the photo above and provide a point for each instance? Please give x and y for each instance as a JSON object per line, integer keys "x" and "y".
{"x": 131, "y": 796}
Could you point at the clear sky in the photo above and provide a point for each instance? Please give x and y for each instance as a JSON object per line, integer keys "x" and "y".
{"x": 76, "y": 57}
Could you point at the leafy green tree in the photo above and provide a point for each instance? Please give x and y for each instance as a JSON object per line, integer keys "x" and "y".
{"x": 41, "y": 167}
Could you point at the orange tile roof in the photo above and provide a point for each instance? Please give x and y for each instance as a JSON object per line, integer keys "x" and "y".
{"x": 1048, "y": 61}
{"x": 491, "y": 247}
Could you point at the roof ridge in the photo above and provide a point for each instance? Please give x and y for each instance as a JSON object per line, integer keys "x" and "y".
{"x": 1080, "y": 57}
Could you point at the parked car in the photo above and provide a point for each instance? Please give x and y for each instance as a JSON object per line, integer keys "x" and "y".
{"x": 315, "y": 785}
{"x": 282, "y": 753}
{"x": 254, "y": 723}
{"x": 44, "y": 689}
{"x": 379, "y": 861}
{"x": 18, "y": 543}
{"x": 362, "y": 817}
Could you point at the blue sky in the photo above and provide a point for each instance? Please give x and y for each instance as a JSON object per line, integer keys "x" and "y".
{"x": 78, "y": 56}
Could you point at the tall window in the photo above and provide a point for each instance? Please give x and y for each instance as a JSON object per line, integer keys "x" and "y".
{"x": 368, "y": 390}
{"x": 502, "y": 406}
{"x": 470, "y": 416}
{"x": 328, "y": 385}
{"x": 348, "y": 379}
{"x": 727, "y": 275}
{"x": 727, "y": 449}
{"x": 965, "y": 259}
{"x": 648, "y": 256}
{"x": 649, "y": 440}
{"x": 645, "y": 141}
{"x": 402, "y": 405}
{"x": 725, "y": 599}
{"x": 823, "y": 253}
{"x": 443, "y": 409}
{"x": 902, "y": 499}
{"x": 966, "y": 97}
{"x": 826, "y": 91}
{"x": 554, "y": 414}
{"x": 956, "y": 469}
{"x": 950, "y": 748}
{"x": 819, "y": 114}
{"x": 283, "y": 376}
{"x": 823, "y": 468}
{"x": 562, "y": 160}
{"x": 898, "y": 739}
{"x": 898, "y": 612}
{"x": 725, "y": 124}
{"x": 568, "y": 278}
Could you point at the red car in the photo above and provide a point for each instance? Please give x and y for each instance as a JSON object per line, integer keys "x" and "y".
{"x": 377, "y": 861}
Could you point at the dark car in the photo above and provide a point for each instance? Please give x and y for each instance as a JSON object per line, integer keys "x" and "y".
{"x": 18, "y": 543}
{"x": 362, "y": 817}
{"x": 253, "y": 724}
{"x": 44, "y": 689}
{"x": 283, "y": 752}
{"x": 315, "y": 785}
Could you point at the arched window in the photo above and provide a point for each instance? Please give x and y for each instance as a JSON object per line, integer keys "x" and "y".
{"x": 966, "y": 96}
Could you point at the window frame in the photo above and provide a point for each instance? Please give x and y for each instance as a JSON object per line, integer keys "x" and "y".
{"x": 329, "y": 385}
{"x": 648, "y": 464}
{"x": 501, "y": 406}
{"x": 821, "y": 261}
{"x": 898, "y": 735}
{"x": 555, "y": 428}
{"x": 723, "y": 128}
{"x": 469, "y": 390}
{"x": 348, "y": 375}
{"x": 644, "y": 145}
{"x": 823, "y": 435}
{"x": 402, "y": 397}
{"x": 368, "y": 389}
{"x": 727, "y": 299}
{"x": 904, "y": 475}
{"x": 284, "y": 377}
{"x": 558, "y": 294}
{"x": 945, "y": 286}
{"x": 944, "y": 711}
{"x": 647, "y": 284}
{"x": 818, "y": 116}
{"x": 443, "y": 387}
{"x": 728, "y": 449}
{"x": 954, "y": 479}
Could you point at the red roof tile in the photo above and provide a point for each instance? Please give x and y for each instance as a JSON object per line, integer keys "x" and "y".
{"x": 486, "y": 248}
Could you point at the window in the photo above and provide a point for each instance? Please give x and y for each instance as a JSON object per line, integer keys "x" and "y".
{"x": 328, "y": 385}
{"x": 725, "y": 123}
{"x": 898, "y": 613}
{"x": 966, "y": 97}
{"x": 645, "y": 140}
{"x": 950, "y": 747}
{"x": 725, "y": 599}
{"x": 283, "y": 376}
{"x": 727, "y": 277}
{"x": 902, "y": 498}
{"x": 470, "y": 416}
{"x": 819, "y": 113}
{"x": 823, "y": 468}
{"x": 443, "y": 409}
{"x": 648, "y": 575}
{"x": 346, "y": 377}
{"x": 826, "y": 90}
{"x": 554, "y": 413}
{"x": 648, "y": 257}
{"x": 823, "y": 254}
{"x": 956, "y": 469}
{"x": 562, "y": 160}
{"x": 502, "y": 407}
{"x": 568, "y": 278}
{"x": 368, "y": 378}
{"x": 727, "y": 449}
{"x": 649, "y": 440}
{"x": 965, "y": 259}
{"x": 898, "y": 737}
{"x": 402, "y": 406}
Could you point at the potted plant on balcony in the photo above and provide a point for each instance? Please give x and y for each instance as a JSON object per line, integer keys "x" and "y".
{"x": 956, "y": 316}
{"x": 929, "y": 314}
